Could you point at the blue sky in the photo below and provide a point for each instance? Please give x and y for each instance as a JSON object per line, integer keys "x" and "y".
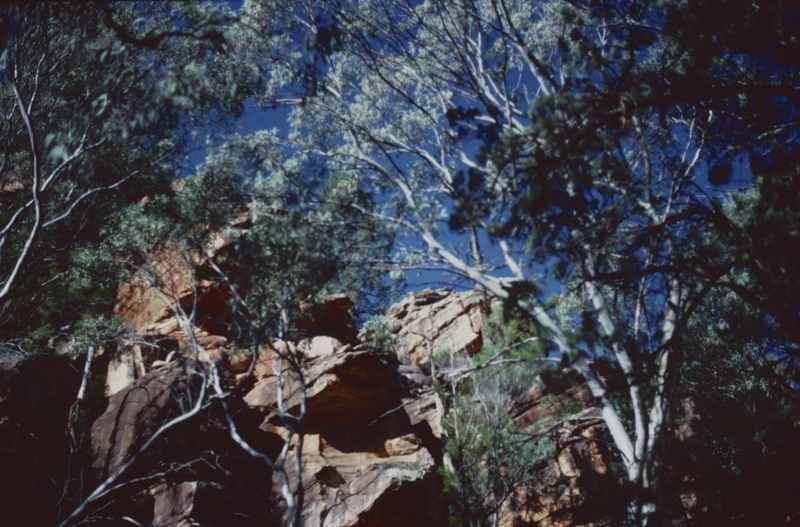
{"x": 255, "y": 119}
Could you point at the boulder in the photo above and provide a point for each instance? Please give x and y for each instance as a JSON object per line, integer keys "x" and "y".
{"x": 372, "y": 443}
{"x": 133, "y": 415}
{"x": 436, "y": 320}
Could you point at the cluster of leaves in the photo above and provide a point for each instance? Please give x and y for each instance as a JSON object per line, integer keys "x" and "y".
{"x": 492, "y": 465}
{"x": 100, "y": 332}
{"x": 490, "y": 459}
{"x": 97, "y": 102}
{"x": 380, "y": 335}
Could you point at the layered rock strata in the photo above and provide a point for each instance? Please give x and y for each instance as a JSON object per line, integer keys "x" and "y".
{"x": 436, "y": 320}
{"x": 373, "y": 438}
{"x": 371, "y": 446}
{"x": 370, "y": 450}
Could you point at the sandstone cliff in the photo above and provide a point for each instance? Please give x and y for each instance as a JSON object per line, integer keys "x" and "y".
{"x": 373, "y": 442}
{"x": 435, "y": 320}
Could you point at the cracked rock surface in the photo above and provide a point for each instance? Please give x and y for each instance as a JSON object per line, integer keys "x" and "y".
{"x": 435, "y": 320}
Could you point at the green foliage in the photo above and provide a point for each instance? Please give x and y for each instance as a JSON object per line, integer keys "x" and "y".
{"x": 107, "y": 124}
{"x": 366, "y": 245}
{"x": 733, "y": 405}
{"x": 100, "y": 332}
{"x": 380, "y": 335}
{"x": 291, "y": 239}
{"x": 39, "y": 339}
{"x": 491, "y": 458}
{"x": 491, "y": 462}
{"x": 563, "y": 133}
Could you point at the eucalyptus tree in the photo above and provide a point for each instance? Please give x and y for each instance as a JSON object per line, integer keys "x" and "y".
{"x": 281, "y": 251}
{"x": 97, "y": 102}
{"x": 571, "y": 135}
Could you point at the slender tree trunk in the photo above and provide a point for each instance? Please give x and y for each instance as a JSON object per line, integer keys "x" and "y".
{"x": 87, "y": 372}
{"x": 641, "y": 507}
{"x": 478, "y": 257}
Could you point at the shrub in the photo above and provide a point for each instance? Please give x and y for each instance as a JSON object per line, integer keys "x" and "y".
{"x": 379, "y": 335}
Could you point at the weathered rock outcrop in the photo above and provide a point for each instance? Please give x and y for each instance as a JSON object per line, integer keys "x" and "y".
{"x": 562, "y": 407}
{"x": 133, "y": 415}
{"x": 371, "y": 445}
{"x": 193, "y": 473}
{"x": 370, "y": 451}
{"x": 373, "y": 439}
{"x": 436, "y": 320}
{"x": 148, "y": 313}
{"x": 559, "y": 406}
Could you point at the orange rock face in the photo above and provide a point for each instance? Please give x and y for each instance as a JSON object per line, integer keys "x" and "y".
{"x": 432, "y": 321}
{"x": 134, "y": 413}
{"x": 369, "y": 455}
{"x": 373, "y": 438}
{"x": 564, "y": 410}
{"x": 370, "y": 450}
{"x": 148, "y": 312}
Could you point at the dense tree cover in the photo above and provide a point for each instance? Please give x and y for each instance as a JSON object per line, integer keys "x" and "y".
{"x": 286, "y": 253}
{"x": 586, "y": 142}
{"x": 574, "y": 137}
{"x": 91, "y": 125}
{"x": 101, "y": 106}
